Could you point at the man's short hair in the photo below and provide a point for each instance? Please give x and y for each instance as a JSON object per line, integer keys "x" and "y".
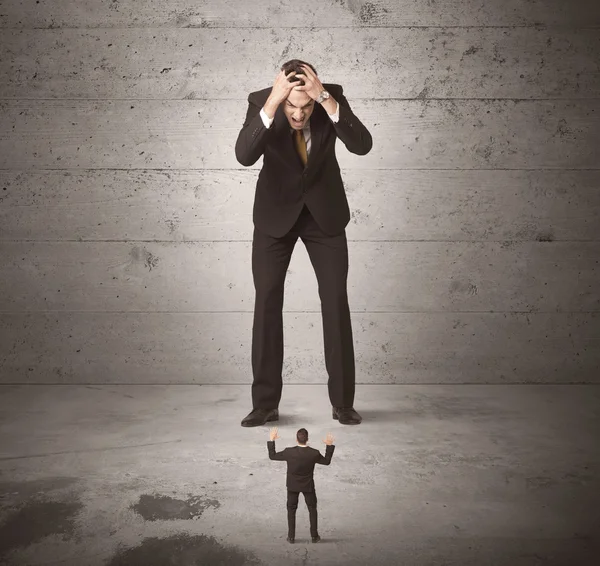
{"x": 294, "y": 65}
{"x": 302, "y": 436}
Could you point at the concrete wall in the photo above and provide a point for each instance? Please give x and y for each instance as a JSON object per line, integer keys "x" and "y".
{"x": 125, "y": 220}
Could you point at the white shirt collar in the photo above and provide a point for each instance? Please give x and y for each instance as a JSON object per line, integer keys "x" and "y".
{"x": 301, "y": 445}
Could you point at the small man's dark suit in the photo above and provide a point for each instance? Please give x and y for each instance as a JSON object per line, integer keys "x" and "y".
{"x": 301, "y": 462}
{"x": 291, "y": 201}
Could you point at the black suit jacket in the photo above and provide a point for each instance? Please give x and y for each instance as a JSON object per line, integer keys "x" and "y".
{"x": 300, "y": 464}
{"x": 284, "y": 184}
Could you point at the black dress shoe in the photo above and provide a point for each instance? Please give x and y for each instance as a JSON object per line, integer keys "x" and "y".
{"x": 259, "y": 417}
{"x": 346, "y": 415}
{"x": 316, "y": 539}
{"x": 290, "y": 539}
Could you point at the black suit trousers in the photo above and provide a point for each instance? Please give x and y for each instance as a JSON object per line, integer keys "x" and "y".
{"x": 292, "y": 504}
{"x": 270, "y": 260}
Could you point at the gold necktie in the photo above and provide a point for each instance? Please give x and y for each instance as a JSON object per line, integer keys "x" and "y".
{"x": 300, "y": 144}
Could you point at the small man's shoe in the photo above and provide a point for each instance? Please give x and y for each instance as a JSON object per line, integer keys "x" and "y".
{"x": 259, "y": 417}
{"x": 290, "y": 540}
{"x": 346, "y": 415}
{"x": 316, "y": 539}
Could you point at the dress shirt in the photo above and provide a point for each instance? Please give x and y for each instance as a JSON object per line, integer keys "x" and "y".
{"x": 306, "y": 130}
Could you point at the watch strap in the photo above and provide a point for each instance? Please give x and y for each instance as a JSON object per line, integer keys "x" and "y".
{"x": 322, "y": 96}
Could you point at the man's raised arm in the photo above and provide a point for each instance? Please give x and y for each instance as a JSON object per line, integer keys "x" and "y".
{"x": 272, "y": 454}
{"x": 348, "y": 127}
{"x": 326, "y": 460}
{"x": 252, "y": 139}
{"x": 351, "y": 130}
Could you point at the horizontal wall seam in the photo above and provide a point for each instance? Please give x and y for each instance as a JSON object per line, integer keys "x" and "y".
{"x": 220, "y": 241}
{"x": 535, "y": 312}
{"x": 536, "y": 26}
{"x": 171, "y": 170}
{"x": 287, "y": 384}
{"x": 245, "y": 100}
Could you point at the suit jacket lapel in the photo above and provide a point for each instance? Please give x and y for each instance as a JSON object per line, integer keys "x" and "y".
{"x": 282, "y": 128}
{"x": 316, "y": 133}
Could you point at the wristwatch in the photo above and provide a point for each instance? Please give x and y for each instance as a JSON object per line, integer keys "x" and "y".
{"x": 323, "y": 96}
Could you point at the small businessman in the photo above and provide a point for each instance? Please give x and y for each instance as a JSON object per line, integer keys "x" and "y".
{"x": 301, "y": 460}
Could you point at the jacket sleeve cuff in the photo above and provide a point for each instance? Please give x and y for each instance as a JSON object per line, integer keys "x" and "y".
{"x": 266, "y": 120}
{"x": 336, "y": 115}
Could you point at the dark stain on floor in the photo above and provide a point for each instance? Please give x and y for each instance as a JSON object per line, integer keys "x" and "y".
{"x": 36, "y": 519}
{"x": 183, "y": 550}
{"x": 165, "y": 508}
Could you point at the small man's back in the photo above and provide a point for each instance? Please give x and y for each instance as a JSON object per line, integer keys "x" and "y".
{"x": 301, "y": 460}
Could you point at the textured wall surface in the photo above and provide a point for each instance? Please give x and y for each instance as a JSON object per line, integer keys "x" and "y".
{"x": 126, "y": 221}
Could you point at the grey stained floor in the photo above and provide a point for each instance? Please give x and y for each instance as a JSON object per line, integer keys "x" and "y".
{"x": 165, "y": 475}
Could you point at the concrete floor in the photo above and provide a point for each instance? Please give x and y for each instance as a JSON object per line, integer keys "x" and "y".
{"x": 165, "y": 475}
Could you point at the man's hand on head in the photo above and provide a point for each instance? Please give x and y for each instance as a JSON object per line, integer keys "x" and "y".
{"x": 280, "y": 91}
{"x": 312, "y": 85}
